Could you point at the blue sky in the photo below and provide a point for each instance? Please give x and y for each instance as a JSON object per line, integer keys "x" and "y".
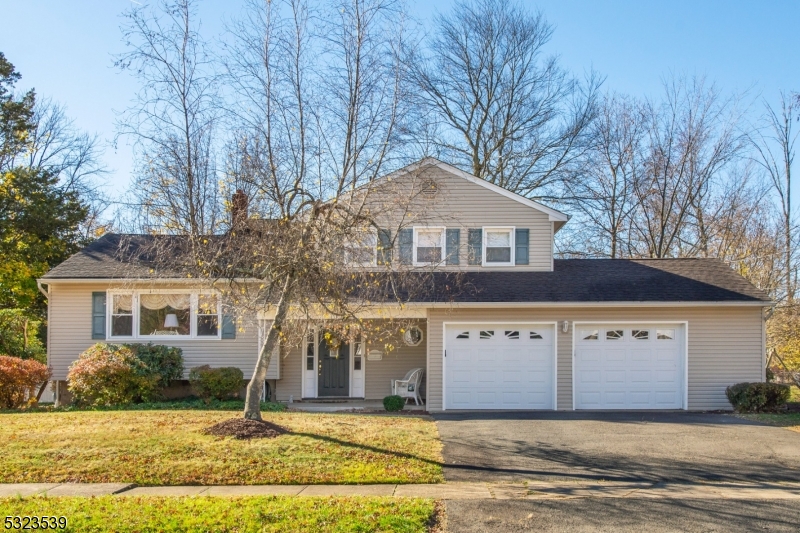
{"x": 65, "y": 49}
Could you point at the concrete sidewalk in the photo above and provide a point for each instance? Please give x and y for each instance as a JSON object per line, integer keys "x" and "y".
{"x": 538, "y": 490}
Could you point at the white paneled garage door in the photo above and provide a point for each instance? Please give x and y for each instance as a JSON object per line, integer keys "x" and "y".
{"x": 624, "y": 366}
{"x": 499, "y": 366}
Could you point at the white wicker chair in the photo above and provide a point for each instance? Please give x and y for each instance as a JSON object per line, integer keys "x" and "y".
{"x": 408, "y": 387}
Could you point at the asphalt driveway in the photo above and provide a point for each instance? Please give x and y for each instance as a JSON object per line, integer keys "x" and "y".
{"x": 622, "y": 446}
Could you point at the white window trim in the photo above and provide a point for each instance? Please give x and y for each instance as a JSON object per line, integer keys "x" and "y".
{"x": 193, "y": 307}
{"x": 373, "y": 262}
{"x": 513, "y": 231}
{"x": 442, "y": 231}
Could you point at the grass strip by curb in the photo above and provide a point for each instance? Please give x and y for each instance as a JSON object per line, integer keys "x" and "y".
{"x": 221, "y": 514}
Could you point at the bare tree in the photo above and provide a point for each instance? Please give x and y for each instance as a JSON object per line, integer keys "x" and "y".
{"x": 691, "y": 139}
{"x": 322, "y": 102}
{"x": 604, "y": 194}
{"x": 507, "y": 113}
{"x": 774, "y": 145}
{"x": 173, "y": 120}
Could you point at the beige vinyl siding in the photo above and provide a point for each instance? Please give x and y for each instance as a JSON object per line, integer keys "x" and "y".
{"x": 290, "y": 383}
{"x": 70, "y": 333}
{"x": 394, "y": 365}
{"x": 725, "y": 344}
{"x": 377, "y": 374}
{"x": 462, "y": 204}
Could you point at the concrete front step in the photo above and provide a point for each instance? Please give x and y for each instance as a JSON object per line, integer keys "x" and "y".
{"x": 534, "y": 490}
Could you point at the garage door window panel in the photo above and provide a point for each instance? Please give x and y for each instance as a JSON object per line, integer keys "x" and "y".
{"x": 590, "y": 334}
{"x": 640, "y": 334}
{"x": 665, "y": 334}
{"x": 614, "y": 334}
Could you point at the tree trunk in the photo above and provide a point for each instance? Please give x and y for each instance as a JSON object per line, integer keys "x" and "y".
{"x": 252, "y": 403}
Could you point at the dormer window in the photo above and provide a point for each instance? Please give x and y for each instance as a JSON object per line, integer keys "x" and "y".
{"x": 498, "y": 247}
{"x": 428, "y": 246}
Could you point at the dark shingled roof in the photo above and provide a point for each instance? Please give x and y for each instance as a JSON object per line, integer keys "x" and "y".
{"x": 102, "y": 259}
{"x": 606, "y": 280}
{"x": 572, "y": 280}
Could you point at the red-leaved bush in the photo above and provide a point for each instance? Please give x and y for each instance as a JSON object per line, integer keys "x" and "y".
{"x": 20, "y": 380}
{"x": 109, "y": 374}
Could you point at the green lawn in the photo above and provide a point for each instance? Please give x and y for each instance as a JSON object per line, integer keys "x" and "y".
{"x": 245, "y": 514}
{"x": 786, "y": 420}
{"x": 167, "y": 448}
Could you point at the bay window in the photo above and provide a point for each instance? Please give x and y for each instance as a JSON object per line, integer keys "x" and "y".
{"x": 151, "y": 314}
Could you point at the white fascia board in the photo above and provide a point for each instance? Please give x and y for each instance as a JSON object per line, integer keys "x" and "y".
{"x": 159, "y": 281}
{"x": 524, "y": 305}
{"x": 388, "y": 312}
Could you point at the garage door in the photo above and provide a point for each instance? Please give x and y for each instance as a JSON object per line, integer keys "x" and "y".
{"x": 499, "y": 366}
{"x": 620, "y": 366}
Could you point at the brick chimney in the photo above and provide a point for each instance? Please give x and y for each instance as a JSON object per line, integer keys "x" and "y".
{"x": 239, "y": 206}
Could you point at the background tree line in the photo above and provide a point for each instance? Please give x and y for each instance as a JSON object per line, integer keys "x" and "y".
{"x": 301, "y": 102}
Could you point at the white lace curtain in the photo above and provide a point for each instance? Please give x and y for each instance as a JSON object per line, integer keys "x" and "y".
{"x": 123, "y": 304}
{"x": 160, "y": 301}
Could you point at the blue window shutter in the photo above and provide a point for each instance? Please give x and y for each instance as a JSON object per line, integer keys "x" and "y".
{"x": 228, "y": 327}
{"x": 453, "y": 236}
{"x": 475, "y": 246}
{"x": 384, "y": 247}
{"x": 405, "y": 238}
{"x": 521, "y": 239}
{"x": 99, "y": 315}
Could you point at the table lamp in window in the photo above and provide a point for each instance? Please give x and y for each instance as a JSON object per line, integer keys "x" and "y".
{"x": 171, "y": 321}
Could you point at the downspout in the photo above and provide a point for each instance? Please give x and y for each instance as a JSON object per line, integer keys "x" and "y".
{"x": 766, "y": 314}
{"x": 46, "y": 293}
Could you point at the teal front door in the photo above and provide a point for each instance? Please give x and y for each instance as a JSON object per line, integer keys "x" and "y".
{"x": 333, "y": 370}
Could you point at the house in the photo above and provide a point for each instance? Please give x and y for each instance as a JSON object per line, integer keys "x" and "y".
{"x": 533, "y": 332}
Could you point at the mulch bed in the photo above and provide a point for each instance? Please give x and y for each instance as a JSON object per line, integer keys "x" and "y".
{"x": 240, "y": 428}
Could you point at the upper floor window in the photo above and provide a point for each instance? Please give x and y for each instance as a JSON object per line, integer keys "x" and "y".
{"x": 498, "y": 248}
{"x": 362, "y": 249}
{"x": 153, "y": 314}
{"x": 428, "y": 245}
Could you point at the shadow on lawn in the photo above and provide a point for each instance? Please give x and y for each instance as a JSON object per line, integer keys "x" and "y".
{"x": 374, "y": 449}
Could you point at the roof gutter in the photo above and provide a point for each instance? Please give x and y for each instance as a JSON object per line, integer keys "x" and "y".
{"x": 439, "y": 305}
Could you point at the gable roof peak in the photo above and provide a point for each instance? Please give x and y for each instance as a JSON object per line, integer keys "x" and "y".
{"x": 553, "y": 214}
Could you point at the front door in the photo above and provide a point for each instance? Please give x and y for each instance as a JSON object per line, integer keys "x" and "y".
{"x": 333, "y": 370}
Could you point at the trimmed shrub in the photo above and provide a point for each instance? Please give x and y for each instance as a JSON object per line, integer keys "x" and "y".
{"x": 164, "y": 361}
{"x": 109, "y": 374}
{"x": 215, "y": 383}
{"x": 20, "y": 380}
{"x": 19, "y": 335}
{"x": 757, "y": 397}
{"x": 393, "y": 403}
